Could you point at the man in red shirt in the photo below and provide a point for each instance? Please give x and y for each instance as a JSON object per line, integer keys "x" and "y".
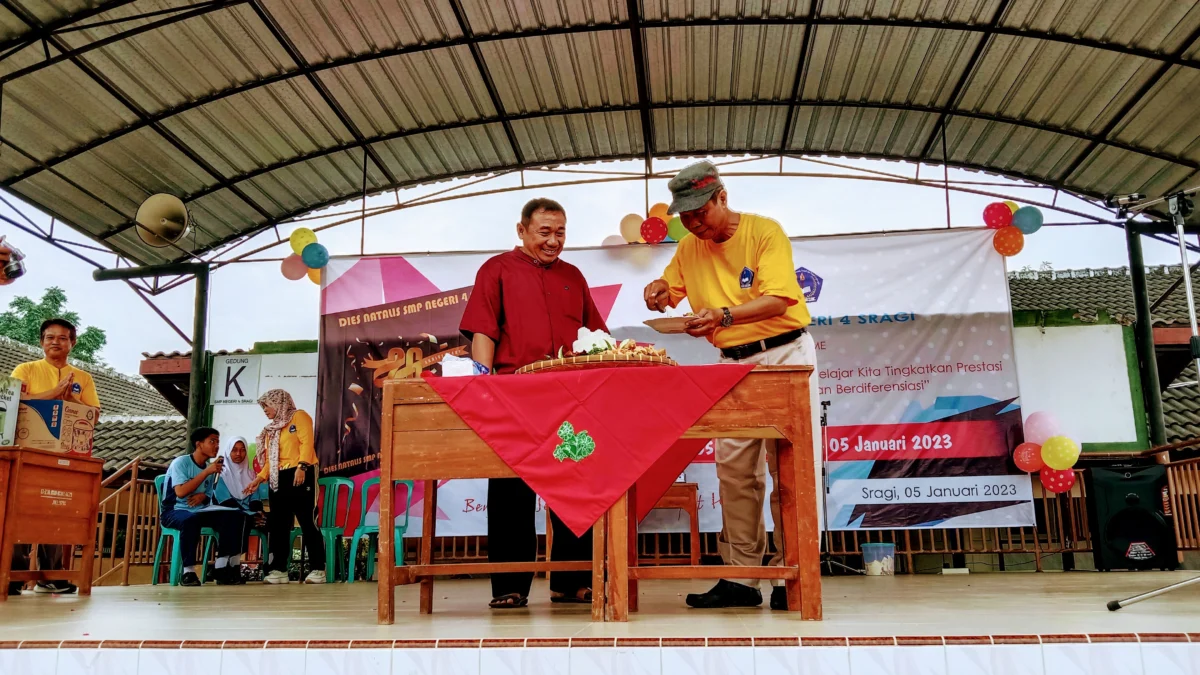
{"x": 526, "y": 305}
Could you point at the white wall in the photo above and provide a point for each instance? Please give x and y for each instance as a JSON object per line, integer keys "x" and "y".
{"x": 295, "y": 373}
{"x": 1080, "y": 374}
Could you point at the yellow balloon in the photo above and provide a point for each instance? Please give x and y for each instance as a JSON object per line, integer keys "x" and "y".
{"x": 659, "y": 210}
{"x": 301, "y": 238}
{"x": 1012, "y": 206}
{"x": 1060, "y": 453}
{"x": 631, "y": 227}
{"x": 314, "y": 275}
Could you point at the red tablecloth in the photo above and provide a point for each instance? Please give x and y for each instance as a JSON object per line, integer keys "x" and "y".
{"x": 582, "y": 438}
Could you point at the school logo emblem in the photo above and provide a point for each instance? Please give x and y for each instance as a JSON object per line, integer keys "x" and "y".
{"x": 810, "y": 284}
{"x": 747, "y": 278}
{"x": 76, "y": 388}
{"x": 292, "y": 429}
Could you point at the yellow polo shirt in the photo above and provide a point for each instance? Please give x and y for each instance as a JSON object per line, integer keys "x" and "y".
{"x": 755, "y": 261}
{"x": 295, "y": 445}
{"x": 41, "y": 376}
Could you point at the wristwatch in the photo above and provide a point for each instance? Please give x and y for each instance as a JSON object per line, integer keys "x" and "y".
{"x": 726, "y": 318}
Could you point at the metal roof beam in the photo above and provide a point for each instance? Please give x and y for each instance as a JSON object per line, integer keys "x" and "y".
{"x": 1132, "y": 103}
{"x": 325, "y": 152}
{"x": 464, "y": 25}
{"x": 133, "y": 107}
{"x": 244, "y": 87}
{"x": 956, "y": 92}
{"x": 798, "y": 83}
{"x": 35, "y": 35}
{"x": 638, "y": 43}
{"x": 284, "y": 41}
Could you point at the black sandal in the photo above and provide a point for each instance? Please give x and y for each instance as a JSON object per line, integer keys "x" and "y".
{"x": 509, "y": 601}
{"x": 576, "y": 599}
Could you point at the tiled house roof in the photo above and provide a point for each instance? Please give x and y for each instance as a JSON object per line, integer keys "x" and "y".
{"x": 157, "y": 440}
{"x": 120, "y": 394}
{"x": 1092, "y": 290}
{"x": 1181, "y": 408}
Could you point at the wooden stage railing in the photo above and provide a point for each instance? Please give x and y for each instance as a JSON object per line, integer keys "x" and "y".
{"x": 126, "y": 524}
{"x": 1183, "y": 479}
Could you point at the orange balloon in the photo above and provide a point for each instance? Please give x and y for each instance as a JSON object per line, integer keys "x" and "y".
{"x": 314, "y": 275}
{"x": 659, "y": 210}
{"x": 1008, "y": 241}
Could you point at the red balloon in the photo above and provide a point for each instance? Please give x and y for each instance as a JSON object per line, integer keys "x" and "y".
{"x": 997, "y": 215}
{"x": 1028, "y": 457}
{"x": 1057, "y": 481}
{"x": 654, "y": 230}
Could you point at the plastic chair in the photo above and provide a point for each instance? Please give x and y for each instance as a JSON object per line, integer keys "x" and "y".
{"x": 371, "y": 532}
{"x": 330, "y": 489}
{"x": 206, "y": 533}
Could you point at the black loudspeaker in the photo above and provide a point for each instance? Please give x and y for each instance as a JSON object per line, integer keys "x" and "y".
{"x": 1131, "y": 527}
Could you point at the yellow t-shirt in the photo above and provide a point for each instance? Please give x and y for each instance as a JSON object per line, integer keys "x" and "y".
{"x": 295, "y": 445}
{"x": 755, "y": 261}
{"x": 41, "y": 376}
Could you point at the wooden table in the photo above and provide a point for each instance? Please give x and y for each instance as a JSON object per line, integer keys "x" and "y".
{"x": 48, "y": 498}
{"x": 770, "y": 402}
{"x": 423, "y": 439}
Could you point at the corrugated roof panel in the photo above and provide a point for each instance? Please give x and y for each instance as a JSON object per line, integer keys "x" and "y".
{"x": 576, "y": 137}
{"x": 323, "y": 30}
{"x": 57, "y": 110}
{"x": 1166, "y": 119}
{"x": 314, "y": 182}
{"x": 170, "y": 65}
{"x": 411, "y": 91}
{"x": 1051, "y": 83}
{"x": 829, "y": 130}
{"x": 562, "y": 71}
{"x": 1111, "y": 170}
{"x": 486, "y": 17}
{"x": 975, "y": 11}
{"x": 1018, "y": 149}
{"x": 10, "y": 25}
{"x": 723, "y": 63}
{"x": 482, "y": 147}
{"x": 260, "y": 127}
{"x": 719, "y": 129}
{"x": 1151, "y": 24}
{"x": 129, "y": 241}
{"x": 658, "y": 10}
{"x": 907, "y": 65}
{"x": 126, "y": 171}
{"x": 65, "y": 202}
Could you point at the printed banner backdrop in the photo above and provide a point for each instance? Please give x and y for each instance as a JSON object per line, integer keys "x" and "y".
{"x": 914, "y": 343}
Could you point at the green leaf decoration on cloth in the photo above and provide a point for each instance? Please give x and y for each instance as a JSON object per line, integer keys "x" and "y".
{"x": 575, "y": 446}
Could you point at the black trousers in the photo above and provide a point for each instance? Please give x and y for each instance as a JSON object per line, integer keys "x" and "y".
{"x": 230, "y": 527}
{"x": 294, "y": 503}
{"x": 512, "y": 537}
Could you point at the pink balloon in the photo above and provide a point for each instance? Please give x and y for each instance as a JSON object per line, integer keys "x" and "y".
{"x": 293, "y": 267}
{"x": 1040, "y": 426}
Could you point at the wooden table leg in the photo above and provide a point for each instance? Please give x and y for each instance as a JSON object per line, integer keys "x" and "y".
{"x": 599, "y": 531}
{"x": 800, "y": 546}
{"x": 6, "y": 546}
{"x": 631, "y": 512}
{"x": 387, "y": 581}
{"x": 428, "y": 523}
{"x": 618, "y": 561}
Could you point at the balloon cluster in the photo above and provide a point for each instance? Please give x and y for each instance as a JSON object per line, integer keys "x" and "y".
{"x": 1047, "y": 452}
{"x": 307, "y": 259}
{"x": 657, "y": 227}
{"x": 1011, "y": 223}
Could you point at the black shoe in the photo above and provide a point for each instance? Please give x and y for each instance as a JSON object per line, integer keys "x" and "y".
{"x": 14, "y": 587}
{"x": 726, "y": 594}
{"x": 779, "y": 598}
{"x": 189, "y": 579}
{"x": 226, "y": 576}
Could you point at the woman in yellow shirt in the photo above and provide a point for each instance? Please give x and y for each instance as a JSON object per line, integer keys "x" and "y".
{"x": 290, "y": 468}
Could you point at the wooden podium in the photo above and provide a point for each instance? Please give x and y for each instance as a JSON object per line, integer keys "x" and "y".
{"x": 48, "y": 498}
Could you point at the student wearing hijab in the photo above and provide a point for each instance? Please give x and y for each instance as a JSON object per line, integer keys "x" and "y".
{"x": 290, "y": 468}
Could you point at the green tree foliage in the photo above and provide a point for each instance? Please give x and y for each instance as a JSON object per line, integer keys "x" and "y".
{"x": 23, "y": 321}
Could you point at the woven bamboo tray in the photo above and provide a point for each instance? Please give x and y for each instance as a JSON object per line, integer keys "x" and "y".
{"x": 605, "y": 360}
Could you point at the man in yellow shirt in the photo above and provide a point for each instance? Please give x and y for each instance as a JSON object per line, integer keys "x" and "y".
{"x": 737, "y": 273}
{"x": 52, "y": 378}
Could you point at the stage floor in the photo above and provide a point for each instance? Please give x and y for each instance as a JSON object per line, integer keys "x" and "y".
{"x": 923, "y": 605}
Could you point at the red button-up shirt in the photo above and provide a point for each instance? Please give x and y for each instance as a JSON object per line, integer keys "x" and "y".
{"x": 528, "y": 309}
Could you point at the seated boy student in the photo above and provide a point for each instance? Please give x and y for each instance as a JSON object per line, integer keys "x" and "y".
{"x": 187, "y": 491}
